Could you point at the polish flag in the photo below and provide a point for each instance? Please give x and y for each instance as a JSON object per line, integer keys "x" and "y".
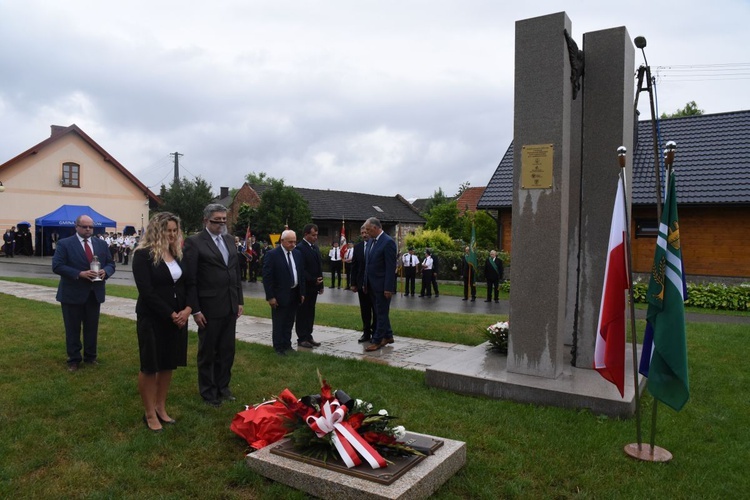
{"x": 609, "y": 354}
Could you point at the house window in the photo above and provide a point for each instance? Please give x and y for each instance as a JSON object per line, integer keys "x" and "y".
{"x": 71, "y": 175}
{"x": 646, "y": 228}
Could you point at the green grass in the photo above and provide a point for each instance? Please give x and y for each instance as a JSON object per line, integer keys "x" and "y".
{"x": 73, "y": 435}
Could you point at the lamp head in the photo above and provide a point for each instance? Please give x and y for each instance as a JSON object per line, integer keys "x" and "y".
{"x": 640, "y": 42}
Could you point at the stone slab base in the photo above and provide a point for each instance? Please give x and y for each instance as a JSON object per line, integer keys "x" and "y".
{"x": 479, "y": 371}
{"x": 417, "y": 483}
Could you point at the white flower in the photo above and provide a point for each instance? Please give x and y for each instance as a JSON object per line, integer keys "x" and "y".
{"x": 383, "y": 412}
{"x": 358, "y": 402}
{"x": 399, "y": 431}
{"x": 368, "y": 407}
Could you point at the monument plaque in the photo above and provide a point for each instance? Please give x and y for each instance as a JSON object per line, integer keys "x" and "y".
{"x": 536, "y": 166}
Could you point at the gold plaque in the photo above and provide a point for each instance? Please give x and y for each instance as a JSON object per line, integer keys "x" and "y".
{"x": 536, "y": 166}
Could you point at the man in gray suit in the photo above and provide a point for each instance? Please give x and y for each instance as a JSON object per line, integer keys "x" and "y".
{"x": 214, "y": 291}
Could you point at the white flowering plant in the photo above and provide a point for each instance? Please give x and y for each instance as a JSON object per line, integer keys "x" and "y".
{"x": 497, "y": 335}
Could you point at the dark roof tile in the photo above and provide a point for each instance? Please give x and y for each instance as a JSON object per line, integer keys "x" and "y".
{"x": 712, "y": 162}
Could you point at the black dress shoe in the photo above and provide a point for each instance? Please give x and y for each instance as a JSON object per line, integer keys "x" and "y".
{"x": 305, "y": 344}
{"x": 465, "y": 298}
{"x": 312, "y": 341}
{"x": 488, "y": 300}
{"x": 73, "y": 367}
{"x": 497, "y": 301}
{"x": 281, "y": 353}
{"x": 364, "y": 338}
{"x": 213, "y": 402}
{"x": 473, "y": 299}
{"x": 171, "y": 421}
{"x": 228, "y": 397}
{"x": 156, "y": 431}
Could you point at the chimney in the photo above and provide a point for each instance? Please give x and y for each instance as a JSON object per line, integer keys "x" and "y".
{"x": 56, "y": 129}
{"x": 224, "y": 193}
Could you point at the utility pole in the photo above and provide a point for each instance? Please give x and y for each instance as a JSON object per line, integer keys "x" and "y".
{"x": 176, "y": 166}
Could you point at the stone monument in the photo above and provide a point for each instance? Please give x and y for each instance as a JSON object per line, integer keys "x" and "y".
{"x": 573, "y": 109}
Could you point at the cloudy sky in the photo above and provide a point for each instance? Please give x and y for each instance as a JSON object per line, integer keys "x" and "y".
{"x": 375, "y": 96}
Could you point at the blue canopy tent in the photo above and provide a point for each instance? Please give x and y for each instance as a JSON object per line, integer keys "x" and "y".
{"x": 62, "y": 223}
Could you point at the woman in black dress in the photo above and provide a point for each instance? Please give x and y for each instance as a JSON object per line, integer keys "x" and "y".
{"x": 162, "y": 314}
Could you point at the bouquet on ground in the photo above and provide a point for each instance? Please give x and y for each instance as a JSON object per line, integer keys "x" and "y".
{"x": 497, "y": 335}
{"x": 325, "y": 426}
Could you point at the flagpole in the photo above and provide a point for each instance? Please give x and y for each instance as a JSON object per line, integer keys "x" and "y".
{"x": 657, "y": 453}
{"x": 668, "y": 162}
{"x": 622, "y": 156}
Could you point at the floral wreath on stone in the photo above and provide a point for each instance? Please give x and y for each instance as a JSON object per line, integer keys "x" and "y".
{"x": 329, "y": 425}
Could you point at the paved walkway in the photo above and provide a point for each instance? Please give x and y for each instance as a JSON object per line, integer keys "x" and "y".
{"x": 410, "y": 353}
{"x": 405, "y": 352}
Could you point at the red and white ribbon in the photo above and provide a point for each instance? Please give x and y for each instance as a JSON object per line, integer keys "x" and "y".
{"x": 346, "y": 439}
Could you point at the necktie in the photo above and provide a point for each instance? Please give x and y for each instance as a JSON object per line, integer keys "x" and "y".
{"x": 87, "y": 248}
{"x": 223, "y": 250}
{"x": 291, "y": 268}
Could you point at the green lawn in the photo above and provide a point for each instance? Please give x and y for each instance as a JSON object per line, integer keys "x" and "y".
{"x": 74, "y": 435}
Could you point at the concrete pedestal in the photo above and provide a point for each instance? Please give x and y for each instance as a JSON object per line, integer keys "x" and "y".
{"x": 417, "y": 483}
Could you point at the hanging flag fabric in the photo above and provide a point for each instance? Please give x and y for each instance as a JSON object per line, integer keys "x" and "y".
{"x": 248, "y": 243}
{"x": 471, "y": 259}
{"x": 342, "y": 242}
{"x": 668, "y": 370}
{"x": 609, "y": 353}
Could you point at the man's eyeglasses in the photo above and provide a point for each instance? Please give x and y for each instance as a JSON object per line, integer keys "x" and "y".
{"x": 218, "y": 221}
{"x": 85, "y": 227}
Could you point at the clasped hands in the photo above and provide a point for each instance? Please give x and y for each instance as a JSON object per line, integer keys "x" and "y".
{"x": 92, "y": 275}
{"x": 181, "y": 318}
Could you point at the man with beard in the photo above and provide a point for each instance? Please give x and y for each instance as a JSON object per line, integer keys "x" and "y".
{"x": 214, "y": 292}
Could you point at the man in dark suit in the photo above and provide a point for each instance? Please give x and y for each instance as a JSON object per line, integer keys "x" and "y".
{"x": 214, "y": 292}
{"x": 314, "y": 286}
{"x": 469, "y": 275}
{"x": 380, "y": 280}
{"x": 81, "y": 289}
{"x": 493, "y": 273}
{"x": 284, "y": 284}
{"x": 366, "y": 307}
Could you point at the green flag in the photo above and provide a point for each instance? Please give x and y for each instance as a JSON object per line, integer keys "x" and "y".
{"x": 668, "y": 372}
{"x": 471, "y": 259}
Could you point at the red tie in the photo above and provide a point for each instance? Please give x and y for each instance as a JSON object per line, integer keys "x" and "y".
{"x": 87, "y": 247}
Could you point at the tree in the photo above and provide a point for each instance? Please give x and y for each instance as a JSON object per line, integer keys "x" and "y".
{"x": 259, "y": 179}
{"x": 486, "y": 229}
{"x": 690, "y": 109}
{"x": 445, "y": 216}
{"x": 463, "y": 187}
{"x": 437, "y": 198}
{"x": 280, "y": 205}
{"x": 187, "y": 199}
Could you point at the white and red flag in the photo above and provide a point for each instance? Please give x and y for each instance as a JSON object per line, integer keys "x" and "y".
{"x": 342, "y": 241}
{"x": 609, "y": 354}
